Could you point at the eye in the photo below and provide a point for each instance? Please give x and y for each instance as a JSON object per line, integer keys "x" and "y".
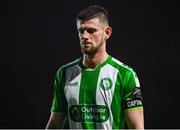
{"x": 81, "y": 31}
{"x": 91, "y": 30}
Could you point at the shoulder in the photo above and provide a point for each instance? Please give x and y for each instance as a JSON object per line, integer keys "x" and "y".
{"x": 69, "y": 65}
{"x": 120, "y": 65}
{"x": 125, "y": 71}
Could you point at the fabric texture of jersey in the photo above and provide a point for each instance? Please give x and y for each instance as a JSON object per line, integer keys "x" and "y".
{"x": 96, "y": 99}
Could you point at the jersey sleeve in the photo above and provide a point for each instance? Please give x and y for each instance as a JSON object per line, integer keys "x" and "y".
{"x": 59, "y": 103}
{"x": 132, "y": 98}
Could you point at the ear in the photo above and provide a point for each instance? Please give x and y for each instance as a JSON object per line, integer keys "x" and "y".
{"x": 108, "y": 32}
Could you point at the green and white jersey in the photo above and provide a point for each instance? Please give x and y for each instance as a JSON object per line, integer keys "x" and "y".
{"x": 96, "y": 99}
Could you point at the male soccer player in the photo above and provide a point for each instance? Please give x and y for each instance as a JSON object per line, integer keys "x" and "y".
{"x": 96, "y": 91}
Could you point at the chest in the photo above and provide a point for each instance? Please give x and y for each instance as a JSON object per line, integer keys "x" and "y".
{"x": 91, "y": 87}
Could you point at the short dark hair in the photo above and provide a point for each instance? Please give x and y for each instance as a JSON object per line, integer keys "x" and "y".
{"x": 93, "y": 11}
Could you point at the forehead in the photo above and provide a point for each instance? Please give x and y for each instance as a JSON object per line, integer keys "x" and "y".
{"x": 92, "y": 23}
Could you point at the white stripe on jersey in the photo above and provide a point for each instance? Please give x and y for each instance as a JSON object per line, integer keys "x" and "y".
{"x": 104, "y": 97}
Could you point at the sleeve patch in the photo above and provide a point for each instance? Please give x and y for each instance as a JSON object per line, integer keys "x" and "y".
{"x": 137, "y": 93}
{"x": 134, "y": 100}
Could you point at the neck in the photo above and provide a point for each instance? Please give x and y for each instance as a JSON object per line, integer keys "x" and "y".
{"x": 92, "y": 61}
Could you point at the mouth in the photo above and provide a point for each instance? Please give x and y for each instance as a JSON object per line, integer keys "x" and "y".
{"x": 85, "y": 43}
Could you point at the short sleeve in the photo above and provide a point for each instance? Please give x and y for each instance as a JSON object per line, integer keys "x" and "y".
{"x": 132, "y": 97}
{"x": 59, "y": 103}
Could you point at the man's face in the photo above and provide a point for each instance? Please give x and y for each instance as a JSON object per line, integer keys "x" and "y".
{"x": 91, "y": 35}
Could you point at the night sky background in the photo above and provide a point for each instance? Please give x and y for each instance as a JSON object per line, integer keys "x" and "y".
{"x": 39, "y": 36}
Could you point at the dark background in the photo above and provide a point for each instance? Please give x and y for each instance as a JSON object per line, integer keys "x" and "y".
{"x": 39, "y": 36}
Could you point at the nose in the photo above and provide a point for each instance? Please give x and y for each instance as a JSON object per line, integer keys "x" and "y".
{"x": 84, "y": 35}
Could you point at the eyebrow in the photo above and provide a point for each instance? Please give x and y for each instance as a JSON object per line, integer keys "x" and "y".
{"x": 87, "y": 28}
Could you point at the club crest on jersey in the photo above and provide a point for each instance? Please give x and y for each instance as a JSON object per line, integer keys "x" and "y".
{"x": 106, "y": 83}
